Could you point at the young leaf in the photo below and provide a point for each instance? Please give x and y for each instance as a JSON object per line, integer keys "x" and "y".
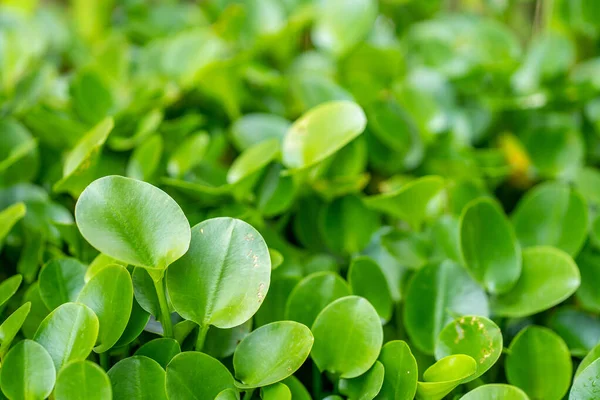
{"x": 137, "y": 378}
{"x": 60, "y": 281}
{"x": 145, "y": 293}
{"x": 138, "y": 320}
{"x": 489, "y": 247}
{"x": 446, "y": 374}
{"x": 277, "y": 391}
{"x": 365, "y": 386}
{"x": 27, "y": 372}
{"x": 38, "y": 311}
{"x": 400, "y": 379}
{"x": 11, "y": 327}
{"x": 9, "y": 287}
{"x": 68, "y": 333}
{"x": 348, "y": 337}
{"x": 82, "y": 380}
{"x": 161, "y": 350}
{"x": 497, "y": 391}
{"x": 9, "y": 217}
{"x": 133, "y": 222}
{"x": 367, "y": 280}
{"x": 228, "y": 394}
{"x": 271, "y": 353}
{"x": 252, "y": 129}
{"x": 253, "y": 160}
{"x": 297, "y": 389}
{"x": 145, "y": 159}
{"x": 224, "y": 277}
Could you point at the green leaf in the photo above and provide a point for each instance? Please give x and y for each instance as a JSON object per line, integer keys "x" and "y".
{"x": 161, "y": 350}
{"x": 38, "y": 311}
{"x": 253, "y": 160}
{"x": 321, "y": 132}
{"x": 193, "y": 375}
{"x": 364, "y": 387}
{"x": 133, "y": 222}
{"x": 145, "y": 159}
{"x": 474, "y": 336}
{"x": 11, "y": 327}
{"x": 228, "y": 394}
{"x": 367, "y": 280}
{"x": 314, "y": 293}
{"x": 585, "y": 385}
{"x": 549, "y": 276}
{"x": 137, "y": 378}
{"x": 489, "y": 247}
{"x": 434, "y": 296}
{"x": 400, "y": 379}
{"x": 579, "y": 330}
{"x": 298, "y": 390}
{"x": 82, "y": 380}
{"x": 224, "y": 277}
{"x": 110, "y": 295}
{"x": 9, "y": 217}
{"x": 411, "y": 202}
{"x": 9, "y": 287}
{"x": 274, "y": 307}
{"x": 587, "y": 293}
{"x": 19, "y": 159}
{"x": 146, "y": 126}
{"x": 271, "y": 353}
{"x": 60, "y": 281}
{"x": 348, "y": 337}
{"x": 145, "y": 293}
{"x": 446, "y": 374}
{"x": 552, "y": 214}
{"x": 138, "y": 320}
{"x": 100, "y": 262}
{"x": 189, "y": 154}
{"x": 539, "y": 363}
{"x": 68, "y": 333}
{"x": 221, "y": 343}
{"x": 277, "y": 391}
{"x": 252, "y": 129}
{"x": 27, "y": 372}
{"x": 496, "y": 391}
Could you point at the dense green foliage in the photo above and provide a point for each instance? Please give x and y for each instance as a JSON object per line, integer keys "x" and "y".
{"x": 300, "y": 199}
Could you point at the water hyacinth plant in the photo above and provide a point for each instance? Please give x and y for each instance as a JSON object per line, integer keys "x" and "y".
{"x": 299, "y": 200}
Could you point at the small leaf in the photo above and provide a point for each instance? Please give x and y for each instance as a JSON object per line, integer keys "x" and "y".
{"x": 367, "y": 280}
{"x": 223, "y": 279}
{"x": 82, "y": 380}
{"x": 11, "y": 327}
{"x": 400, "y": 379}
{"x": 477, "y": 337}
{"x": 271, "y": 353}
{"x": 60, "y": 281}
{"x": 365, "y": 386}
{"x": 189, "y": 154}
{"x": 145, "y": 159}
{"x": 587, "y": 294}
{"x": 110, "y": 295}
{"x": 38, "y": 311}
{"x": 228, "y": 394}
{"x": 133, "y": 222}
{"x": 145, "y": 293}
{"x": 539, "y": 363}
{"x": 9, "y": 217}
{"x": 446, "y": 374}
{"x": 489, "y": 247}
{"x": 9, "y": 287}
{"x": 68, "y": 333}
{"x": 252, "y": 129}
{"x": 348, "y": 337}
{"x": 193, "y": 375}
{"x": 253, "y": 160}
{"x": 549, "y": 276}
{"x": 497, "y": 391}
{"x": 27, "y": 372}
{"x": 137, "y": 378}
{"x": 161, "y": 350}
{"x": 277, "y": 391}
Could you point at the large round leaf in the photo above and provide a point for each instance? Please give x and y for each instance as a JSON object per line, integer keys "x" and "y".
{"x": 193, "y": 375}
{"x": 489, "y": 247}
{"x": 68, "y": 333}
{"x": 446, "y": 374}
{"x": 539, "y": 363}
{"x": 27, "y": 372}
{"x": 271, "y": 353}
{"x": 133, "y": 222}
{"x": 348, "y": 337}
{"x": 549, "y": 276}
{"x": 312, "y": 294}
{"x": 82, "y": 380}
{"x": 60, "y": 281}
{"x": 137, "y": 378}
{"x": 364, "y": 387}
{"x": 436, "y": 294}
{"x": 110, "y": 295}
{"x": 367, "y": 280}
{"x": 496, "y": 391}
{"x": 321, "y": 132}
{"x": 586, "y": 384}
{"x": 224, "y": 277}
{"x": 552, "y": 214}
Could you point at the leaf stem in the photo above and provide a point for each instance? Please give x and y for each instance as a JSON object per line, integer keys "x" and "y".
{"x": 248, "y": 394}
{"x": 165, "y": 314}
{"x": 202, "y": 330}
{"x": 317, "y": 383}
{"x": 104, "y": 361}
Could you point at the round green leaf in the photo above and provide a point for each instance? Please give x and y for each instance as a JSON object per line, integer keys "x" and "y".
{"x": 161, "y": 350}
{"x": 552, "y": 214}
{"x": 9, "y": 287}
{"x": 579, "y": 330}
{"x": 367, "y": 280}
{"x": 539, "y": 363}
{"x": 312, "y": 294}
{"x": 27, "y": 372}
{"x": 100, "y": 262}
{"x": 364, "y": 387}
{"x": 68, "y": 333}
{"x": 271, "y": 353}
{"x": 348, "y": 337}
{"x": 586, "y": 384}
{"x": 277, "y": 391}
{"x": 253, "y": 160}
{"x": 434, "y": 296}
{"x": 446, "y": 374}
{"x": 228, "y": 394}
{"x": 489, "y": 247}
{"x": 477, "y": 337}
{"x": 61, "y": 280}
{"x": 133, "y": 222}
{"x": 549, "y": 276}
{"x": 321, "y": 132}
{"x": 496, "y": 391}
{"x": 11, "y": 327}
{"x": 224, "y": 277}
{"x": 193, "y": 375}
{"x": 400, "y": 379}
{"x": 82, "y": 380}
{"x": 110, "y": 295}
{"x": 137, "y": 378}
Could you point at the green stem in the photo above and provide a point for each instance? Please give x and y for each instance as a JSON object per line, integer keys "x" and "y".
{"x": 165, "y": 314}
{"x": 317, "y": 382}
{"x": 104, "y": 361}
{"x": 248, "y": 394}
{"x": 202, "y": 330}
